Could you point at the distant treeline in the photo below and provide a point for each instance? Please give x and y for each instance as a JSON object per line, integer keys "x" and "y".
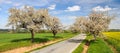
{"x": 27, "y": 31}
{"x": 4, "y": 30}
{"x": 114, "y": 30}
{"x": 47, "y": 31}
{"x": 22, "y": 31}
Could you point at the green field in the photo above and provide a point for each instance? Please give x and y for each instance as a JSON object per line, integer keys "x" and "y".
{"x": 98, "y": 46}
{"x": 113, "y": 38}
{"x": 10, "y": 41}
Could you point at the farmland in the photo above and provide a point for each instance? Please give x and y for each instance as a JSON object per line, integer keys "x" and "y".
{"x": 10, "y": 41}
{"x": 98, "y": 46}
{"x": 113, "y": 38}
{"x": 59, "y": 26}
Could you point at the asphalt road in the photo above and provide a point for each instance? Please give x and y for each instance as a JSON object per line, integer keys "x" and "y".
{"x": 66, "y": 46}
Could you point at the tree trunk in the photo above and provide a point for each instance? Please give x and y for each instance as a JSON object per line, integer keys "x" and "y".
{"x": 94, "y": 37}
{"x": 13, "y": 29}
{"x": 32, "y": 35}
{"x": 54, "y": 33}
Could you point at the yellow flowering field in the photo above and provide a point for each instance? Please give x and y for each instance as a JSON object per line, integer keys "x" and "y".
{"x": 113, "y": 38}
{"x": 115, "y": 35}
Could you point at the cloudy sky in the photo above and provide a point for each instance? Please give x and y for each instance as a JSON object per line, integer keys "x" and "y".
{"x": 65, "y": 10}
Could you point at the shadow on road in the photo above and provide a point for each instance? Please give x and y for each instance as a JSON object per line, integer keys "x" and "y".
{"x": 75, "y": 40}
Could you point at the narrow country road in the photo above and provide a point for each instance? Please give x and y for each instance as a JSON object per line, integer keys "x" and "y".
{"x": 66, "y": 46}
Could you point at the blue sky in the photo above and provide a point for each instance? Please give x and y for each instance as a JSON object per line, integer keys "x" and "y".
{"x": 65, "y": 10}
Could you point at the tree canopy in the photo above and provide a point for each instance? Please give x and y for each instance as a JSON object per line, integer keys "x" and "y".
{"x": 95, "y": 23}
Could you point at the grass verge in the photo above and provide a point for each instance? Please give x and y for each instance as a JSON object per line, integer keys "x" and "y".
{"x": 98, "y": 46}
{"x": 80, "y": 48}
{"x": 12, "y": 41}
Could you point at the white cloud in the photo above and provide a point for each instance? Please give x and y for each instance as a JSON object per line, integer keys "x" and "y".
{"x": 73, "y": 8}
{"x": 66, "y": 25}
{"x": 115, "y": 24}
{"x": 52, "y": 7}
{"x": 99, "y": 8}
{"x": 26, "y": 2}
{"x": 56, "y": 12}
{"x": 5, "y": 1}
{"x": 72, "y": 17}
{"x": 35, "y": 3}
{"x": 69, "y": 17}
{"x": 1, "y": 1}
{"x": 67, "y": 20}
{"x": 82, "y": 1}
{"x": 23, "y": 6}
{"x": 16, "y": 4}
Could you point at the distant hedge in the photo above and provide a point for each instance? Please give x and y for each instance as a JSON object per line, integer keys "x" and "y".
{"x": 114, "y": 30}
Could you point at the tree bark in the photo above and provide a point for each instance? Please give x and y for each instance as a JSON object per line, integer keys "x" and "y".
{"x": 13, "y": 29}
{"x": 94, "y": 37}
{"x": 54, "y": 33}
{"x": 32, "y": 35}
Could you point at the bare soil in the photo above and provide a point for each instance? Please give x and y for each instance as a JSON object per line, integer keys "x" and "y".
{"x": 86, "y": 47}
{"x": 113, "y": 49}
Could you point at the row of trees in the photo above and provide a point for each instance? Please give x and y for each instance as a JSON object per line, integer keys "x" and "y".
{"x": 95, "y": 23}
{"x": 33, "y": 20}
{"x": 36, "y": 19}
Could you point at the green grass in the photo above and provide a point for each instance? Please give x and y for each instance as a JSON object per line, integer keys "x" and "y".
{"x": 80, "y": 48}
{"x": 99, "y": 46}
{"x": 11, "y": 41}
{"x": 113, "y": 38}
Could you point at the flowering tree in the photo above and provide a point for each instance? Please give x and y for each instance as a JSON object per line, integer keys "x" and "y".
{"x": 95, "y": 23}
{"x": 78, "y": 25}
{"x": 28, "y": 18}
{"x": 13, "y": 20}
{"x": 55, "y": 25}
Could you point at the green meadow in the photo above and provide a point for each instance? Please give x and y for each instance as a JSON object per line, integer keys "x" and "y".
{"x": 10, "y": 41}
{"x": 109, "y": 44}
